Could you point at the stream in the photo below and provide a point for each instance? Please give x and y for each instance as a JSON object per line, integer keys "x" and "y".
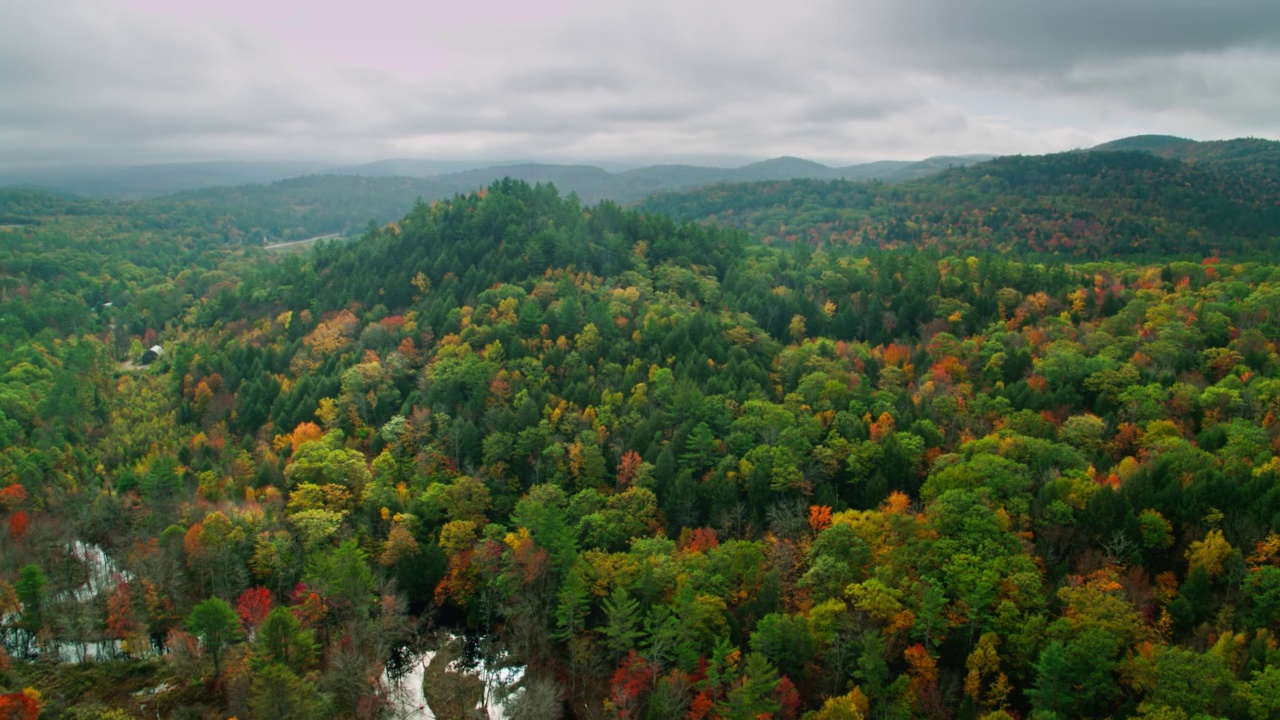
{"x": 403, "y": 683}
{"x": 102, "y": 575}
{"x": 404, "y": 689}
{"x": 405, "y": 679}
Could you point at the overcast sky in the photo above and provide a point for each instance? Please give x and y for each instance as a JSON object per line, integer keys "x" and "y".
{"x": 647, "y": 80}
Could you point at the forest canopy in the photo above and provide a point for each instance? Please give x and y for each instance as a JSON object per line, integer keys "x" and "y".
{"x": 997, "y": 444}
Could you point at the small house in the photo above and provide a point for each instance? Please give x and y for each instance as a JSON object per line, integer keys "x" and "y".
{"x": 151, "y": 354}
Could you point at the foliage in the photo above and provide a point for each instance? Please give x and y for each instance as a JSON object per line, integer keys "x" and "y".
{"x": 680, "y": 471}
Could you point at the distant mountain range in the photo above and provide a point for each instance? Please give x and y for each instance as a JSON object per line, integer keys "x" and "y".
{"x": 137, "y": 182}
{"x": 591, "y": 183}
{"x": 1146, "y": 191}
{"x": 1146, "y": 195}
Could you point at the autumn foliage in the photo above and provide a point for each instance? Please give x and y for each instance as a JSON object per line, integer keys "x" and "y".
{"x": 871, "y": 461}
{"x": 23, "y": 705}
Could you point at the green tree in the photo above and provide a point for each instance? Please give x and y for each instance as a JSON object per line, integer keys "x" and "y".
{"x": 31, "y": 590}
{"x": 1075, "y": 678}
{"x": 279, "y": 694}
{"x": 343, "y": 575}
{"x": 752, "y": 696}
{"x": 786, "y": 641}
{"x": 162, "y": 483}
{"x": 217, "y": 625}
{"x": 327, "y": 462}
{"x": 282, "y": 640}
{"x": 1262, "y": 693}
{"x": 621, "y": 624}
{"x": 574, "y": 604}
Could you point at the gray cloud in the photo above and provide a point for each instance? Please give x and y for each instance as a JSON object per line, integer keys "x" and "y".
{"x": 96, "y": 80}
{"x": 1021, "y": 35}
{"x": 1212, "y": 66}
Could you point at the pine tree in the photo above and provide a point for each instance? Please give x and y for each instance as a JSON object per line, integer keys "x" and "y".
{"x": 752, "y": 696}
{"x": 573, "y": 607}
{"x": 621, "y": 620}
{"x": 30, "y": 589}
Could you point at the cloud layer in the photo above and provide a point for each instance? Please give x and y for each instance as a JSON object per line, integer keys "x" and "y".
{"x": 147, "y": 81}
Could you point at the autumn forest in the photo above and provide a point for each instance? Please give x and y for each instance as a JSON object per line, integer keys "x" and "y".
{"x": 998, "y": 443}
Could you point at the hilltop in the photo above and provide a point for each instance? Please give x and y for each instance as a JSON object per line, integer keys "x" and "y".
{"x": 1115, "y": 200}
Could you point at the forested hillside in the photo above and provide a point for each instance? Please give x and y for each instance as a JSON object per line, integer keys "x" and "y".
{"x": 1083, "y": 204}
{"x": 999, "y": 444}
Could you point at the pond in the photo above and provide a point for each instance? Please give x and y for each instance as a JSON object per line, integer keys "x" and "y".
{"x": 464, "y": 671}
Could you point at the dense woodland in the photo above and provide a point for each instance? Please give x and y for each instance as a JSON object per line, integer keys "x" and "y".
{"x": 998, "y": 444}
{"x": 1093, "y": 205}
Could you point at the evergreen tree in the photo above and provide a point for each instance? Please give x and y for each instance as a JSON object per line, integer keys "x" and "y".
{"x": 621, "y": 626}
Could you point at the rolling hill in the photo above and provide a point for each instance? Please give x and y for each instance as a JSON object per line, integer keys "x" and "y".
{"x": 1222, "y": 198}
{"x": 591, "y": 183}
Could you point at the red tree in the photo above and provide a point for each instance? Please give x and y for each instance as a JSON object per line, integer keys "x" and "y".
{"x": 253, "y": 606}
{"x": 628, "y": 466}
{"x": 18, "y": 524}
{"x": 819, "y": 517}
{"x": 12, "y": 496}
{"x": 788, "y": 699}
{"x": 630, "y": 683}
{"x": 23, "y": 705}
{"x": 120, "y": 619}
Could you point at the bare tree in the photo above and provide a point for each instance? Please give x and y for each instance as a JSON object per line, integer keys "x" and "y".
{"x": 540, "y": 698}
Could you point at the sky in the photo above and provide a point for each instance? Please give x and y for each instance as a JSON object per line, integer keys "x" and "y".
{"x": 839, "y": 81}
